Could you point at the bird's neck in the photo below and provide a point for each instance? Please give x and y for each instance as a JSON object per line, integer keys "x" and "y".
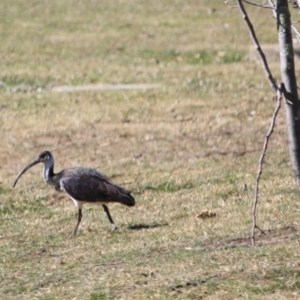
{"x": 48, "y": 170}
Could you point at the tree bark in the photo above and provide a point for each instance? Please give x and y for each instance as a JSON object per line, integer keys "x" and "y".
{"x": 290, "y": 84}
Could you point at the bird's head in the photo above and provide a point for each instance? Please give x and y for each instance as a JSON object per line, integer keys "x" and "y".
{"x": 45, "y": 157}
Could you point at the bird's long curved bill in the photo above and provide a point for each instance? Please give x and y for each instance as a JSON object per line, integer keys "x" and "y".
{"x": 34, "y": 162}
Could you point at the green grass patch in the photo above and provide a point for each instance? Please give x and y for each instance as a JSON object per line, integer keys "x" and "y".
{"x": 170, "y": 186}
{"x": 200, "y": 57}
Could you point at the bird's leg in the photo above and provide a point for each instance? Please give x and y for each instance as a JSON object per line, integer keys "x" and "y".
{"x": 78, "y": 221}
{"x": 113, "y": 226}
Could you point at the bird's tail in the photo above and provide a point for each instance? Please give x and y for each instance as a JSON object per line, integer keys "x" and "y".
{"x": 128, "y": 200}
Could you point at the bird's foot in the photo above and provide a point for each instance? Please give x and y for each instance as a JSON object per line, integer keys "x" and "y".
{"x": 73, "y": 235}
{"x": 113, "y": 227}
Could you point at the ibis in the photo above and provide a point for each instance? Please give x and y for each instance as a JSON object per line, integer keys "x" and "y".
{"x": 82, "y": 185}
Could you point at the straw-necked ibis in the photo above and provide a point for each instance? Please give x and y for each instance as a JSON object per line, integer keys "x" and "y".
{"x": 83, "y": 185}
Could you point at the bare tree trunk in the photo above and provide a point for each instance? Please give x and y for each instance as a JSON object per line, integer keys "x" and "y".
{"x": 290, "y": 84}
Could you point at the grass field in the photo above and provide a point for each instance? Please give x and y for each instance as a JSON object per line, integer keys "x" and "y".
{"x": 187, "y": 149}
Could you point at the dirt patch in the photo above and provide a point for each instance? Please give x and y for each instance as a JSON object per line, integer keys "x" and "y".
{"x": 103, "y": 87}
{"x": 274, "y": 236}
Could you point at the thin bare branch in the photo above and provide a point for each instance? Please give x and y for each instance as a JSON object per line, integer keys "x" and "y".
{"x": 280, "y": 91}
{"x": 297, "y": 33}
{"x": 260, "y": 165}
{"x": 295, "y": 3}
{"x": 270, "y": 78}
{"x": 272, "y": 4}
{"x": 259, "y": 5}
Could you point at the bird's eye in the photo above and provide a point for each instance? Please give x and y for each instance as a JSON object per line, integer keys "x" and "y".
{"x": 44, "y": 158}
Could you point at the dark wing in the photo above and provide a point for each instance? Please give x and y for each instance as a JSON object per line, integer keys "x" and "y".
{"x": 89, "y": 185}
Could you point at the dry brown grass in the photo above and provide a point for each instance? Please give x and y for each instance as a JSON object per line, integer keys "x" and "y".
{"x": 185, "y": 149}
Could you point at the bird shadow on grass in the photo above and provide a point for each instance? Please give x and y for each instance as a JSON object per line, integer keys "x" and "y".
{"x": 146, "y": 226}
